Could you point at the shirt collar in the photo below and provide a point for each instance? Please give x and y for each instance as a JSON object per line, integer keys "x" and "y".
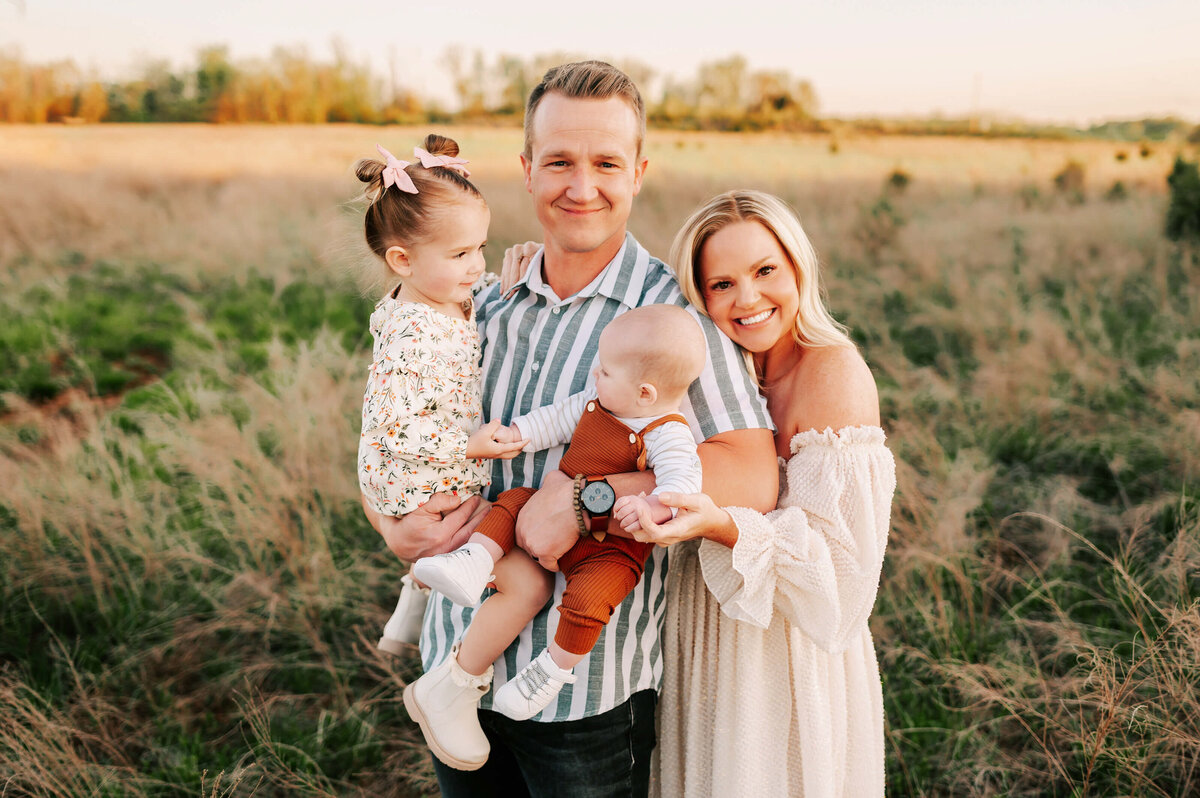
{"x": 621, "y": 279}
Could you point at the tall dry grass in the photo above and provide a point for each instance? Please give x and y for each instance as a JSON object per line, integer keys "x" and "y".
{"x": 190, "y": 595}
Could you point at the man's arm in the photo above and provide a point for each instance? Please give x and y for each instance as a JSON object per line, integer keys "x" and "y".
{"x": 739, "y": 468}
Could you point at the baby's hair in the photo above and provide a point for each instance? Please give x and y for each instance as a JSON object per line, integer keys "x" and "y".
{"x": 664, "y": 344}
{"x": 398, "y": 218}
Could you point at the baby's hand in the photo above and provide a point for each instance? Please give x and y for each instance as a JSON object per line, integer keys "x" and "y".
{"x": 625, "y": 511}
{"x": 496, "y": 441}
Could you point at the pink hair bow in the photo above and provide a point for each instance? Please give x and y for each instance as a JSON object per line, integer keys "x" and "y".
{"x": 394, "y": 174}
{"x": 430, "y": 161}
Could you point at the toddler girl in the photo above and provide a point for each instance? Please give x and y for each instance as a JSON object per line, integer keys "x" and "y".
{"x": 421, "y": 410}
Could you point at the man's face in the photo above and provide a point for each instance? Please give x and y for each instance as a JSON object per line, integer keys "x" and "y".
{"x": 583, "y": 170}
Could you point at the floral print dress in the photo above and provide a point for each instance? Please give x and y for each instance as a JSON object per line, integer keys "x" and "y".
{"x": 421, "y": 404}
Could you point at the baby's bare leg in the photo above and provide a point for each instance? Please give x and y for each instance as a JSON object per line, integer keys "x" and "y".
{"x": 523, "y": 588}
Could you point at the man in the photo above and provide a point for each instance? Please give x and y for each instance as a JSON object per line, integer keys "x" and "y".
{"x": 583, "y": 162}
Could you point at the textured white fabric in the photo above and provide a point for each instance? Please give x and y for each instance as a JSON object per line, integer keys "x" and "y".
{"x": 771, "y": 685}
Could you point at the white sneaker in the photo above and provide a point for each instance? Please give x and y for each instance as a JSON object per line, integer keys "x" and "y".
{"x": 532, "y": 689}
{"x": 459, "y": 575}
{"x": 403, "y": 629}
{"x": 445, "y": 702}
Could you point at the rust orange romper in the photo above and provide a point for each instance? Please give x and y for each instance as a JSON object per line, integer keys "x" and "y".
{"x": 599, "y": 574}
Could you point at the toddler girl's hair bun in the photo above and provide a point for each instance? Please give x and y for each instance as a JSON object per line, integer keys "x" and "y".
{"x": 370, "y": 171}
{"x": 440, "y": 145}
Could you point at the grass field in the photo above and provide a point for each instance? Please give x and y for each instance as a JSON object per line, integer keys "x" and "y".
{"x": 189, "y": 595}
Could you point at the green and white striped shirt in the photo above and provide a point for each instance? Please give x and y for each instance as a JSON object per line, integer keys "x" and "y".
{"x": 538, "y": 349}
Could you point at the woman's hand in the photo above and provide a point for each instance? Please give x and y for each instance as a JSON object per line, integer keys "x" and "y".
{"x": 697, "y": 517}
{"x": 516, "y": 261}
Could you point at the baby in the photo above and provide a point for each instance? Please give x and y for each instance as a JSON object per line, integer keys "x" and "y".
{"x": 646, "y": 359}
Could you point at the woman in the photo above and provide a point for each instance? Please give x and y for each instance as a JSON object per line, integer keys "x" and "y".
{"x": 771, "y": 684}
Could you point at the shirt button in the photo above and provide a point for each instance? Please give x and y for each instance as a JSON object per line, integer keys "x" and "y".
{"x": 591, "y": 406}
{"x": 632, "y": 438}
{"x": 535, "y": 366}
{"x": 555, "y": 311}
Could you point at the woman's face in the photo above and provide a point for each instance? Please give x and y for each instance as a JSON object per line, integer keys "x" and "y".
{"x": 749, "y": 286}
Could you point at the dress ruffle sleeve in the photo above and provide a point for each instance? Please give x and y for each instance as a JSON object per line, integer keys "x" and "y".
{"x": 818, "y": 557}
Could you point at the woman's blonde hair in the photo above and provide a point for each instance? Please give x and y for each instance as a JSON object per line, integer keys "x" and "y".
{"x": 815, "y": 326}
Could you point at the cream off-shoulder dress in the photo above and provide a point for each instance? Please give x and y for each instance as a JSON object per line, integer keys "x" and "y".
{"x": 771, "y": 686}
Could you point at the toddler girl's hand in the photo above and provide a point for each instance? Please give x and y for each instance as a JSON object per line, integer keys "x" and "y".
{"x": 626, "y": 510}
{"x": 494, "y": 440}
{"x": 516, "y": 261}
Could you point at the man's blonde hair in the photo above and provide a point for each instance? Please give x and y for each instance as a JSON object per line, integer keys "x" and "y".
{"x": 662, "y": 345}
{"x": 586, "y": 80}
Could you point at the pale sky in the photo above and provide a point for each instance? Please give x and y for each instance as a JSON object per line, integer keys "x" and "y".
{"x": 1056, "y": 60}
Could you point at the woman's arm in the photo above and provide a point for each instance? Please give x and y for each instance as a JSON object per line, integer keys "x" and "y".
{"x": 817, "y": 559}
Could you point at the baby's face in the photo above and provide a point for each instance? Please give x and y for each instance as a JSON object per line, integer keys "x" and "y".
{"x": 616, "y": 386}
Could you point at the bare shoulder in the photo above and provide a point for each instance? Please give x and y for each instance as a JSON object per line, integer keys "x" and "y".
{"x": 830, "y": 387}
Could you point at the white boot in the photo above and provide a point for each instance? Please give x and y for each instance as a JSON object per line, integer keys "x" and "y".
{"x": 459, "y": 575}
{"x": 445, "y": 702}
{"x": 403, "y": 629}
{"x": 532, "y": 689}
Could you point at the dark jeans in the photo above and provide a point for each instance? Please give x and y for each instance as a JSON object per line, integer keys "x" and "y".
{"x": 604, "y": 756}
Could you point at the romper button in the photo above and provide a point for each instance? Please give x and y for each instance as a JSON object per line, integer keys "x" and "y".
{"x": 591, "y": 406}
{"x": 632, "y": 438}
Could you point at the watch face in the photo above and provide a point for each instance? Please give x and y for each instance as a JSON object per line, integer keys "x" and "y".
{"x": 597, "y": 498}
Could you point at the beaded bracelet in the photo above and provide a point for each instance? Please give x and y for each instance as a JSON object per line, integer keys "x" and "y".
{"x": 580, "y": 479}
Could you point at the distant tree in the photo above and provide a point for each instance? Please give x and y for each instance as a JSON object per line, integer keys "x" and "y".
{"x": 214, "y": 74}
{"x": 92, "y": 102}
{"x": 721, "y": 95}
{"x": 469, "y": 77}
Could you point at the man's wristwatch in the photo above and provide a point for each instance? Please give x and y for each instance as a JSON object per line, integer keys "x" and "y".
{"x": 596, "y": 498}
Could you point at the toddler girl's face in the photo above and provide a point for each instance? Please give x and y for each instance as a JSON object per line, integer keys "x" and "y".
{"x": 446, "y": 265}
{"x": 617, "y": 387}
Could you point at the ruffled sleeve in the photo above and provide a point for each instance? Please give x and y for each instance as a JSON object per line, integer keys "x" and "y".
{"x": 817, "y": 558}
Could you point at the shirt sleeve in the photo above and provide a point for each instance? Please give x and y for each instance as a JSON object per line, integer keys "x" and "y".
{"x": 404, "y": 418}
{"x": 671, "y": 454}
{"x": 553, "y": 425}
{"x": 818, "y": 559}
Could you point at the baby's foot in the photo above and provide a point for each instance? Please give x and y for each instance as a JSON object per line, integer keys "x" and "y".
{"x": 532, "y": 689}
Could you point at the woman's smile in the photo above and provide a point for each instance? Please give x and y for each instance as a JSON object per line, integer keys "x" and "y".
{"x": 757, "y": 318}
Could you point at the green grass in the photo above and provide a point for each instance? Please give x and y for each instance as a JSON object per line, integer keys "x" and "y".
{"x": 190, "y": 596}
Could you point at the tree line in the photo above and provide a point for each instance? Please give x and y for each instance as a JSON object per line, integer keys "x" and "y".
{"x": 291, "y": 86}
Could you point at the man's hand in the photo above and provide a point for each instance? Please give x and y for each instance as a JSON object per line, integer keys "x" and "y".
{"x": 546, "y": 525}
{"x": 627, "y": 510}
{"x": 494, "y": 440}
{"x": 439, "y": 525}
